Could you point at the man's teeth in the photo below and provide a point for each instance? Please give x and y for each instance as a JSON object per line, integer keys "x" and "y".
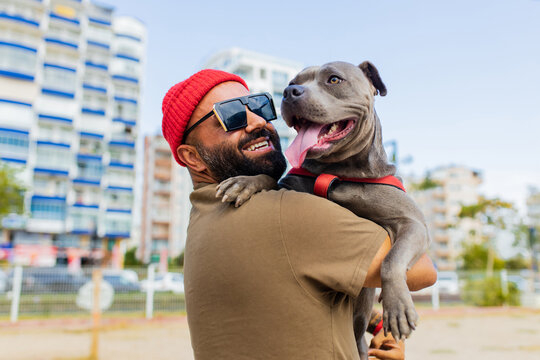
{"x": 258, "y": 146}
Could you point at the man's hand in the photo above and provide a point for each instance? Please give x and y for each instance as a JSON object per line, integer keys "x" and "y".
{"x": 387, "y": 348}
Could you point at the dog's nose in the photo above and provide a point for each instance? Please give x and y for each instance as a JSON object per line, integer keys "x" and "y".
{"x": 293, "y": 91}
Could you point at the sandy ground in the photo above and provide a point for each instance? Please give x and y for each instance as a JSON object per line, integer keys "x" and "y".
{"x": 453, "y": 333}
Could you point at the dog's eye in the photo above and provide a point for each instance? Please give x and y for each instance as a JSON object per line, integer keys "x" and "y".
{"x": 334, "y": 79}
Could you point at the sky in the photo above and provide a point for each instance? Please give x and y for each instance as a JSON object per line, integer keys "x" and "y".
{"x": 463, "y": 76}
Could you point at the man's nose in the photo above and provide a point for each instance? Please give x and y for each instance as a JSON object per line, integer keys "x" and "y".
{"x": 254, "y": 121}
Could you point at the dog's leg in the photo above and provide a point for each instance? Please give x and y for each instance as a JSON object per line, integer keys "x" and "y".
{"x": 362, "y": 313}
{"x": 239, "y": 189}
{"x": 399, "y": 314}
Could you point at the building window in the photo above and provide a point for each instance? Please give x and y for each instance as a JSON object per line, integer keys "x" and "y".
{"x": 53, "y": 157}
{"x": 13, "y": 144}
{"x": 59, "y": 79}
{"x": 90, "y": 147}
{"x": 115, "y": 226}
{"x": 97, "y": 55}
{"x": 63, "y": 33}
{"x": 50, "y": 186}
{"x": 48, "y": 209}
{"x": 125, "y": 110}
{"x": 98, "y": 33}
{"x": 18, "y": 60}
{"x": 94, "y": 101}
{"x": 89, "y": 169}
{"x": 84, "y": 219}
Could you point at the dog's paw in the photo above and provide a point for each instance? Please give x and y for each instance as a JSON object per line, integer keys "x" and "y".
{"x": 239, "y": 189}
{"x": 399, "y": 315}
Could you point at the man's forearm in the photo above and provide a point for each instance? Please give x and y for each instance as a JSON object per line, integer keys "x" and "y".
{"x": 421, "y": 275}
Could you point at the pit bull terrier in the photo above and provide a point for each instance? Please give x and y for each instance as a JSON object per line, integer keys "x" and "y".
{"x": 339, "y": 133}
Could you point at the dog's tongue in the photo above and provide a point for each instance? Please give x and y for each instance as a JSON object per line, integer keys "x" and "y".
{"x": 305, "y": 140}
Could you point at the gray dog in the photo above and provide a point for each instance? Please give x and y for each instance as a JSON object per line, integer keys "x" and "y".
{"x": 339, "y": 133}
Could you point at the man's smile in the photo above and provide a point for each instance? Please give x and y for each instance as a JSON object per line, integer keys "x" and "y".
{"x": 259, "y": 145}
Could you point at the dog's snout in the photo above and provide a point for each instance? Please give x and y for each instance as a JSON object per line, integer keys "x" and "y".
{"x": 293, "y": 91}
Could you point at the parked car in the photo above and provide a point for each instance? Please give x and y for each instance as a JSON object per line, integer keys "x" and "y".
{"x": 448, "y": 282}
{"x": 166, "y": 282}
{"x": 49, "y": 279}
{"x": 122, "y": 280}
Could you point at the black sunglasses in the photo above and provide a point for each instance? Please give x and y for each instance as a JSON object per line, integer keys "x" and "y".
{"x": 232, "y": 115}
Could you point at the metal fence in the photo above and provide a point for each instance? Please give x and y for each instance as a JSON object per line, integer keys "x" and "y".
{"x": 52, "y": 292}
{"x": 57, "y": 291}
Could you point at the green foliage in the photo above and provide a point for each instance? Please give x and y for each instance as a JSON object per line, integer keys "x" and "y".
{"x": 11, "y": 192}
{"x": 488, "y": 292}
{"x": 426, "y": 184}
{"x": 130, "y": 258}
{"x": 177, "y": 261}
{"x": 475, "y": 257}
{"x": 487, "y": 209}
{"x": 517, "y": 262}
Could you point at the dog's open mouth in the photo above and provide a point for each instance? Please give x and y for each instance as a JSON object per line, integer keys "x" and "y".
{"x": 316, "y": 137}
{"x": 335, "y": 131}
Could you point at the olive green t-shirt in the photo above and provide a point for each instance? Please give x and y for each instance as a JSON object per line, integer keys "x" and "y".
{"x": 276, "y": 277}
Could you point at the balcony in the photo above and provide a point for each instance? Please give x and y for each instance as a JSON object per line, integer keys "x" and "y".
{"x": 33, "y": 22}
{"x": 162, "y": 175}
{"x": 441, "y": 238}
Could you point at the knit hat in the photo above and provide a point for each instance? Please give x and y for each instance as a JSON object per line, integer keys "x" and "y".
{"x": 182, "y": 99}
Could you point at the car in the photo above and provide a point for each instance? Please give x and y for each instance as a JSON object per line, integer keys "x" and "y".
{"x": 169, "y": 281}
{"x": 448, "y": 282}
{"x": 122, "y": 280}
{"x": 49, "y": 279}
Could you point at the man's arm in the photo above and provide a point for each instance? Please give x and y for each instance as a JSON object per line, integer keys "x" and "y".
{"x": 421, "y": 275}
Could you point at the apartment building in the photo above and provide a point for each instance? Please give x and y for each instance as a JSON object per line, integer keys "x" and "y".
{"x": 262, "y": 73}
{"x": 165, "y": 205}
{"x": 441, "y": 204}
{"x": 70, "y": 82}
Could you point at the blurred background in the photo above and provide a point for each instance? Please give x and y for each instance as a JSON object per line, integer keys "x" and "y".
{"x": 89, "y": 192}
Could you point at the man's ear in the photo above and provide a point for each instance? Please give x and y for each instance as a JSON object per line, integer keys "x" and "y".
{"x": 189, "y": 156}
{"x": 372, "y": 74}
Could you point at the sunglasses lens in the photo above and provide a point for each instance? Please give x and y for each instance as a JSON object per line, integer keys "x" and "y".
{"x": 233, "y": 115}
{"x": 262, "y": 106}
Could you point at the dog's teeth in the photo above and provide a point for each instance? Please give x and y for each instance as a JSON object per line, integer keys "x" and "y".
{"x": 332, "y": 129}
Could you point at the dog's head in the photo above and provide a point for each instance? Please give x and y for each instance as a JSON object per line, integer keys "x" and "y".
{"x": 331, "y": 107}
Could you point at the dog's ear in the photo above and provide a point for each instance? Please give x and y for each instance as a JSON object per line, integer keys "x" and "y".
{"x": 373, "y": 75}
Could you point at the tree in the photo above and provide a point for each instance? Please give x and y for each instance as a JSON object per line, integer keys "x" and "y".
{"x": 11, "y": 192}
{"x": 130, "y": 258}
{"x": 490, "y": 214}
{"x": 475, "y": 257}
{"x": 177, "y": 261}
{"x": 427, "y": 183}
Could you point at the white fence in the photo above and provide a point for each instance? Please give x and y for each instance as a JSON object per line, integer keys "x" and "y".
{"x": 43, "y": 292}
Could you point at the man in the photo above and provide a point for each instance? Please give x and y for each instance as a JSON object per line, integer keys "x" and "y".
{"x": 276, "y": 277}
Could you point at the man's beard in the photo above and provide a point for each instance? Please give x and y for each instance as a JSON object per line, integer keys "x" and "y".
{"x": 224, "y": 161}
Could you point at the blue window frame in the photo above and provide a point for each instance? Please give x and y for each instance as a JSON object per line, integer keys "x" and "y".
{"x": 49, "y": 208}
{"x": 13, "y": 143}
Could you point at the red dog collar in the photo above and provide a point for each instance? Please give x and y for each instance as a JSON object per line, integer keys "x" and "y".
{"x": 324, "y": 181}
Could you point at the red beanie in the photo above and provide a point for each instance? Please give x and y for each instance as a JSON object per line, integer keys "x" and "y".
{"x": 182, "y": 99}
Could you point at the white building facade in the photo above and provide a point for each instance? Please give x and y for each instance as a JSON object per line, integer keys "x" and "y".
{"x": 458, "y": 186}
{"x": 262, "y": 73}
{"x": 165, "y": 204}
{"x": 70, "y": 81}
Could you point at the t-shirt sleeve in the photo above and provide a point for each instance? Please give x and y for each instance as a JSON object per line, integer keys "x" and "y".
{"x": 329, "y": 248}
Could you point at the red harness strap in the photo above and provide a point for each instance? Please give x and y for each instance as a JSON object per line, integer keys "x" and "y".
{"x": 324, "y": 181}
